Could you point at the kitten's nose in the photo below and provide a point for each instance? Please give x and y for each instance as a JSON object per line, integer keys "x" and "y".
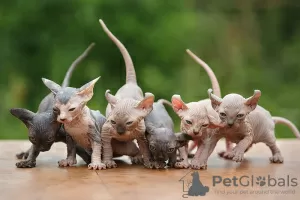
{"x": 196, "y": 132}
{"x": 62, "y": 119}
{"x": 121, "y": 130}
{"x": 230, "y": 124}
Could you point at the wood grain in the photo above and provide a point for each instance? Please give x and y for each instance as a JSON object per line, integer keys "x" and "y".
{"x": 49, "y": 182}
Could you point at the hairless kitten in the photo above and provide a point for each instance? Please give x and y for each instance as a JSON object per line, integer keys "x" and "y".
{"x": 82, "y": 125}
{"x": 43, "y": 128}
{"x": 163, "y": 143}
{"x": 195, "y": 117}
{"x": 125, "y": 112}
{"x": 246, "y": 123}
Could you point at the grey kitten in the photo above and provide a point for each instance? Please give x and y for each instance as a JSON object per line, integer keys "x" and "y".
{"x": 43, "y": 129}
{"x": 163, "y": 143}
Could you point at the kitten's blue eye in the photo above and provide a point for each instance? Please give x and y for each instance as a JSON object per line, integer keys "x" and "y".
{"x": 188, "y": 121}
{"x": 128, "y": 123}
{"x": 112, "y": 122}
{"x": 205, "y": 125}
{"x": 71, "y": 109}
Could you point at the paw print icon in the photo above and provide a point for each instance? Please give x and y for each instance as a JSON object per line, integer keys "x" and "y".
{"x": 261, "y": 181}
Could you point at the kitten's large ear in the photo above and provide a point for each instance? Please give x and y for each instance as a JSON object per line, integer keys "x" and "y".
{"x": 146, "y": 105}
{"x": 87, "y": 90}
{"x": 177, "y": 104}
{"x": 54, "y": 87}
{"x": 252, "y": 102}
{"x": 23, "y": 114}
{"x": 111, "y": 99}
{"x": 215, "y": 100}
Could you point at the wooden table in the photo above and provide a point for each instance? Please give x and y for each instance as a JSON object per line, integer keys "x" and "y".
{"x": 49, "y": 182}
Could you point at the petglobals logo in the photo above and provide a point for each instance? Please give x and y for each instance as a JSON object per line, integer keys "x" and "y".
{"x": 251, "y": 181}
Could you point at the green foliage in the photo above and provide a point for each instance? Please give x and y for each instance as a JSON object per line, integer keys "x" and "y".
{"x": 249, "y": 46}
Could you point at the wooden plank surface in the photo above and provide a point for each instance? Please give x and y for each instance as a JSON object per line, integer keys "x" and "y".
{"x": 49, "y": 182}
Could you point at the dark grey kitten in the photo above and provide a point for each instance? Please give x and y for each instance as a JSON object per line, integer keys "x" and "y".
{"x": 163, "y": 142}
{"x": 43, "y": 128}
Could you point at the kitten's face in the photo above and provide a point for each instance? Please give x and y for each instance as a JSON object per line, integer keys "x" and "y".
{"x": 234, "y": 108}
{"x": 42, "y": 127}
{"x": 126, "y": 114}
{"x": 194, "y": 117}
{"x": 68, "y": 105}
{"x": 162, "y": 142}
{"x": 69, "y": 102}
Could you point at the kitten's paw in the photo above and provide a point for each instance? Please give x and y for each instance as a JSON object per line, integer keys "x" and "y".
{"x": 149, "y": 164}
{"x": 277, "y": 158}
{"x": 171, "y": 164}
{"x": 22, "y": 155}
{"x": 137, "y": 159}
{"x": 236, "y": 156}
{"x": 160, "y": 165}
{"x": 110, "y": 164}
{"x": 182, "y": 165}
{"x": 198, "y": 164}
{"x": 26, "y": 164}
{"x": 67, "y": 162}
{"x": 96, "y": 166}
{"x": 224, "y": 154}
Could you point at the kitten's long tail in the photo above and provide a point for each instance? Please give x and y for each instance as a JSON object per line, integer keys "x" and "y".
{"x": 165, "y": 102}
{"x": 210, "y": 73}
{"x": 281, "y": 120}
{"x": 130, "y": 71}
{"x": 75, "y": 64}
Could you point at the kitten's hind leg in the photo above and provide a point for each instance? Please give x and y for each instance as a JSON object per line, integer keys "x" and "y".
{"x": 276, "y": 154}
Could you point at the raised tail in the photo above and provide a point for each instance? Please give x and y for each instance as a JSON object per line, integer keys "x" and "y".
{"x": 209, "y": 71}
{"x": 165, "y": 102}
{"x": 281, "y": 120}
{"x": 130, "y": 72}
{"x": 75, "y": 64}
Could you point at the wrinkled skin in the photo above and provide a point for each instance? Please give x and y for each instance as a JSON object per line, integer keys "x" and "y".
{"x": 125, "y": 113}
{"x": 125, "y": 122}
{"x": 163, "y": 143}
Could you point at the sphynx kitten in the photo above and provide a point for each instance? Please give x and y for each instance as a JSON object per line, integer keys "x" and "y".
{"x": 197, "y": 118}
{"x": 163, "y": 143}
{"x": 246, "y": 123}
{"x": 125, "y": 113}
{"x": 82, "y": 125}
{"x": 43, "y": 129}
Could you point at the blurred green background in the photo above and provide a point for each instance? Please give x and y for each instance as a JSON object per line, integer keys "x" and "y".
{"x": 249, "y": 45}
